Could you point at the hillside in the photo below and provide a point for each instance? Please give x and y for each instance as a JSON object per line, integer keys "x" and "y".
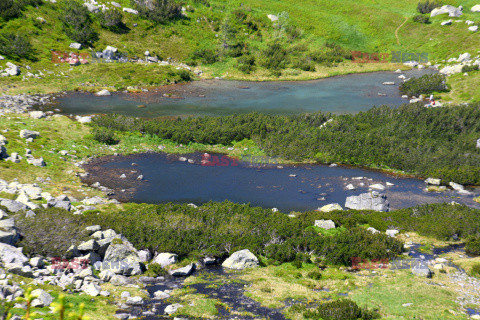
{"x": 238, "y": 40}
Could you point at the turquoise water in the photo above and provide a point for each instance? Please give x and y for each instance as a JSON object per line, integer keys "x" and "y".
{"x": 342, "y": 94}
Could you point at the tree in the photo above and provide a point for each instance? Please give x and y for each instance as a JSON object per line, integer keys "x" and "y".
{"x": 77, "y": 23}
{"x": 159, "y": 11}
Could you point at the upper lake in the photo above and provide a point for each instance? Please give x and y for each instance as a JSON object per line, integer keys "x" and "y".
{"x": 342, "y": 94}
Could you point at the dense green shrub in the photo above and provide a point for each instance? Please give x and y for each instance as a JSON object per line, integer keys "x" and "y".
{"x": 205, "y": 56}
{"x": 275, "y": 57}
{"x": 77, "y": 23}
{"x": 421, "y": 19}
{"x": 155, "y": 270}
{"x": 427, "y": 6}
{"x": 246, "y": 63}
{"x": 426, "y": 84}
{"x": 51, "y": 232}
{"x": 315, "y": 275}
{"x": 10, "y": 9}
{"x": 342, "y": 309}
{"x": 472, "y": 246}
{"x": 112, "y": 20}
{"x": 159, "y": 11}
{"x": 470, "y": 68}
{"x": 475, "y": 271}
{"x": 104, "y": 135}
{"x": 15, "y": 46}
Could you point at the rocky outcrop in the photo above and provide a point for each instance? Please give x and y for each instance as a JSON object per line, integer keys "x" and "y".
{"x": 241, "y": 260}
{"x": 368, "y": 201}
{"x": 448, "y": 9}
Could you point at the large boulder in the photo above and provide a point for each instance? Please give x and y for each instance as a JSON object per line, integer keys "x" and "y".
{"x": 165, "y": 259}
{"x": 12, "y": 70}
{"x": 368, "y": 201}
{"x": 476, "y": 8}
{"x": 92, "y": 289}
{"x": 9, "y": 255}
{"x": 448, "y": 9}
{"x": 433, "y": 181}
{"x": 121, "y": 250}
{"x": 8, "y": 232}
{"x": 43, "y": 299}
{"x": 183, "y": 272}
{"x": 12, "y": 205}
{"x": 422, "y": 270}
{"x": 240, "y": 260}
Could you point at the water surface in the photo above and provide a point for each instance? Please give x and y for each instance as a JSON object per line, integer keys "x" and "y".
{"x": 341, "y": 94}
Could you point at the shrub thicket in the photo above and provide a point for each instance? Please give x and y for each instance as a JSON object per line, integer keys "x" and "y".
{"x": 15, "y": 46}
{"x": 470, "y": 68}
{"x": 427, "y": 6}
{"x": 77, "y": 23}
{"x": 472, "y": 246}
{"x": 104, "y": 135}
{"x": 10, "y": 9}
{"x": 426, "y": 84}
{"x": 159, "y": 11}
{"x": 112, "y": 20}
{"x": 342, "y": 309}
{"x": 421, "y": 19}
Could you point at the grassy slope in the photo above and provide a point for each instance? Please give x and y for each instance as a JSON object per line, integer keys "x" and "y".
{"x": 367, "y": 25}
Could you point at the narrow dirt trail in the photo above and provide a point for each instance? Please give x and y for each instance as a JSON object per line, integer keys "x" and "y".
{"x": 399, "y": 27}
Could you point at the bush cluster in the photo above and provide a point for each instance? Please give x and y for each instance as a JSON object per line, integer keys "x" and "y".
{"x": 104, "y": 135}
{"x": 112, "y": 20}
{"x": 427, "y": 6}
{"x": 10, "y": 9}
{"x": 77, "y": 23}
{"x": 470, "y": 68}
{"x": 426, "y": 84}
{"x": 159, "y": 11}
{"x": 342, "y": 309}
{"x": 15, "y": 46}
{"x": 421, "y": 19}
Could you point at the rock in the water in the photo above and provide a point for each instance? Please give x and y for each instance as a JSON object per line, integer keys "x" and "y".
{"x": 183, "y": 272}
{"x": 433, "y": 182}
{"x": 43, "y": 299}
{"x": 325, "y": 224}
{"x": 378, "y": 187}
{"x": 103, "y": 93}
{"x": 368, "y": 201}
{"x": 240, "y": 260}
{"x": 456, "y": 186}
{"x": 330, "y": 207}
{"x": 165, "y": 259}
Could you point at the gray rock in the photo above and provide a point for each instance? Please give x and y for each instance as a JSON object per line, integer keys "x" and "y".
{"x": 119, "y": 280}
{"x": 144, "y": 255}
{"x": 377, "y": 186}
{"x": 91, "y": 7}
{"x": 76, "y": 45}
{"x": 422, "y": 270}
{"x": 368, "y": 201}
{"x": 183, "y": 272}
{"x": 448, "y": 9}
{"x": 93, "y": 229}
{"x": 43, "y": 299}
{"x": 103, "y": 93}
{"x": 373, "y": 230}
{"x": 37, "y": 262}
{"x": 433, "y": 182}
{"x": 161, "y": 295}
{"x": 165, "y": 259}
{"x": 12, "y": 205}
{"x": 130, "y": 10}
{"x": 392, "y": 233}
{"x": 37, "y": 114}
{"x": 90, "y": 245}
{"x": 106, "y": 275}
{"x": 92, "y": 289}
{"x": 134, "y": 301}
{"x": 26, "y": 134}
{"x": 325, "y": 224}
{"x": 330, "y": 207}
{"x": 240, "y": 260}
{"x": 478, "y": 143}
{"x": 12, "y": 70}
{"x": 447, "y": 23}
{"x": 171, "y": 309}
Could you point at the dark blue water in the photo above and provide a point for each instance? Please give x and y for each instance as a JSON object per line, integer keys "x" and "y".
{"x": 169, "y": 180}
{"x": 342, "y": 94}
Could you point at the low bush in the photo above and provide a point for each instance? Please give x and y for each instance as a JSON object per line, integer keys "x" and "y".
{"x": 205, "y": 56}
{"x": 470, "y": 68}
{"x": 10, "y": 9}
{"x": 159, "y": 11}
{"x": 421, "y": 19}
{"x": 426, "y": 84}
{"x": 112, "y": 20}
{"x": 341, "y": 310}
{"x": 275, "y": 57}
{"x": 104, "y": 135}
{"x": 427, "y": 6}
{"x": 472, "y": 246}
{"x": 15, "y": 46}
{"x": 77, "y": 23}
{"x": 246, "y": 63}
{"x": 155, "y": 270}
{"x": 51, "y": 232}
{"x": 475, "y": 271}
{"x": 315, "y": 275}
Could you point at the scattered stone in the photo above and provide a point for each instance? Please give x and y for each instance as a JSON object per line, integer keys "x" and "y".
{"x": 373, "y": 230}
{"x": 103, "y": 93}
{"x": 171, "y": 309}
{"x": 183, "y": 272}
{"x": 377, "y": 186}
{"x": 130, "y": 10}
{"x": 330, "y": 207}
{"x": 422, "y": 270}
{"x": 447, "y": 23}
{"x": 272, "y": 17}
{"x": 43, "y": 299}
{"x": 76, "y": 45}
{"x": 26, "y": 134}
{"x": 92, "y": 289}
{"x": 325, "y": 224}
{"x": 392, "y": 233}
{"x": 432, "y": 181}
{"x": 476, "y": 8}
{"x": 473, "y": 28}
{"x": 165, "y": 259}
{"x": 448, "y": 9}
